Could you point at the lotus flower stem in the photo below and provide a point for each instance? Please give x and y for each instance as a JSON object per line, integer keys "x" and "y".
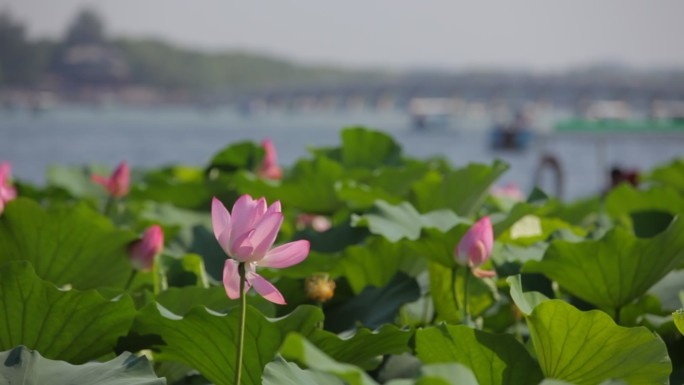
{"x": 241, "y": 328}
{"x": 131, "y": 278}
{"x": 466, "y": 315}
{"x": 109, "y": 205}
{"x": 454, "y": 294}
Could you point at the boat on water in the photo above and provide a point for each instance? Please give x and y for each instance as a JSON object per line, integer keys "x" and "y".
{"x": 513, "y": 136}
{"x": 431, "y": 113}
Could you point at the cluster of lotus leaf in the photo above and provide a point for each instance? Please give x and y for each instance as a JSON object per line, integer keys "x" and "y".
{"x": 584, "y": 291}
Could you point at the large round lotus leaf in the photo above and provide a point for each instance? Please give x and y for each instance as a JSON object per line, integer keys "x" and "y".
{"x": 616, "y": 269}
{"x": 74, "y": 246}
{"x": 462, "y": 190}
{"x": 206, "y": 341}
{"x": 494, "y": 359}
{"x": 67, "y": 325}
{"x": 585, "y": 348}
{"x": 365, "y": 148}
{"x": 24, "y": 366}
{"x": 297, "y": 348}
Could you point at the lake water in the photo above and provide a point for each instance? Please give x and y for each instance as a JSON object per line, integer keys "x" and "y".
{"x": 161, "y": 136}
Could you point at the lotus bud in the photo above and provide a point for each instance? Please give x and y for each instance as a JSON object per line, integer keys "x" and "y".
{"x": 143, "y": 251}
{"x": 7, "y": 192}
{"x": 475, "y": 247}
{"x": 269, "y": 168}
{"x": 117, "y": 185}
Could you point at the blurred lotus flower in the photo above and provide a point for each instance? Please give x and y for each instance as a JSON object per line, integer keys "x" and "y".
{"x": 7, "y": 192}
{"x": 316, "y": 222}
{"x": 510, "y": 190}
{"x": 475, "y": 247}
{"x": 143, "y": 251}
{"x": 118, "y": 183}
{"x": 247, "y": 234}
{"x": 269, "y": 168}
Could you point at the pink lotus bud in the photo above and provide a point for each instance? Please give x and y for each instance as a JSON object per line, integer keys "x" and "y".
{"x": 269, "y": 168}
{"x": 118, "y": 183}
{"x": 475, "y": 247}
{"x": 142, "y": 252}
{"x": 7, "y": 192}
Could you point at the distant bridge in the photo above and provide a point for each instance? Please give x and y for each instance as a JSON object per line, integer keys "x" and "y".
{"x": 568, "y": 92}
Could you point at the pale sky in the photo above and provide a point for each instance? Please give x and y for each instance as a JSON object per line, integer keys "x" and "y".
{"x": 536, "y": 34}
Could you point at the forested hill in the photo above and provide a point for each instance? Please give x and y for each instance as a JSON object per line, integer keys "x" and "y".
{"x": 87, "y": 56}
{"x": 156, "y": 63}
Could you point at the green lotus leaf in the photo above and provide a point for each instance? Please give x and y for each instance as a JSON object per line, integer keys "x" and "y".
{"x": 76, "y": 180}
{"x": 463, "y": 190}
{"x": 399, "y": 180}
{"x": 309, "y": 187}
{"x": 579, "y": 213}
{"x": 365, "y": 347}
{"x": 360, "y": 196}
{"x": 374, "y": 306}
{"x": 66, "y": 246}
{"x": 585, "y": 348}
{"x": 296, "y": 348}
{"x": 526, "y": 301}
{"x": 24, "y": 366}
{"x": 395, "y": 222}
{"x": 206, "y": 341}
{"x": 281, "y": 372}
{"x": 448, "y": 300}
{"x": 626, "y": 199}
{"x": 184, "y": 187}
{"x": 180, "y": 300}
{"x": 503, "y": 221}
{"x": 669, "y": 290}
{"x": 374, "y": 263}
{"x": 438, "y": 245}
{"x": 671, "y": 174}
{"x": 613, "y": 271}
{"x": 531, "y": 229}
{"x": 70, "y": 325}
{"x": 450, "y": 374}
{"x": 550, "y": 381}
{"x": 365, "y": 148}
{"x": 237, "y": 156}
{"x": 184, "y": 271}
{"x": 495, "y": 359}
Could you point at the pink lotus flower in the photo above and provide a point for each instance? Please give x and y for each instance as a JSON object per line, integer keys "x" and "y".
{"x": 247, "y": 234}
{"x": 316, "y": 222}
{"x": 7, "y": 192}
{"x": 269, "y": 168}
{"x": 510, "y": 190}
{"x": 118, "y": 183}
{"x": 143, "y": 251}
{"x": 475, "y": 247}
